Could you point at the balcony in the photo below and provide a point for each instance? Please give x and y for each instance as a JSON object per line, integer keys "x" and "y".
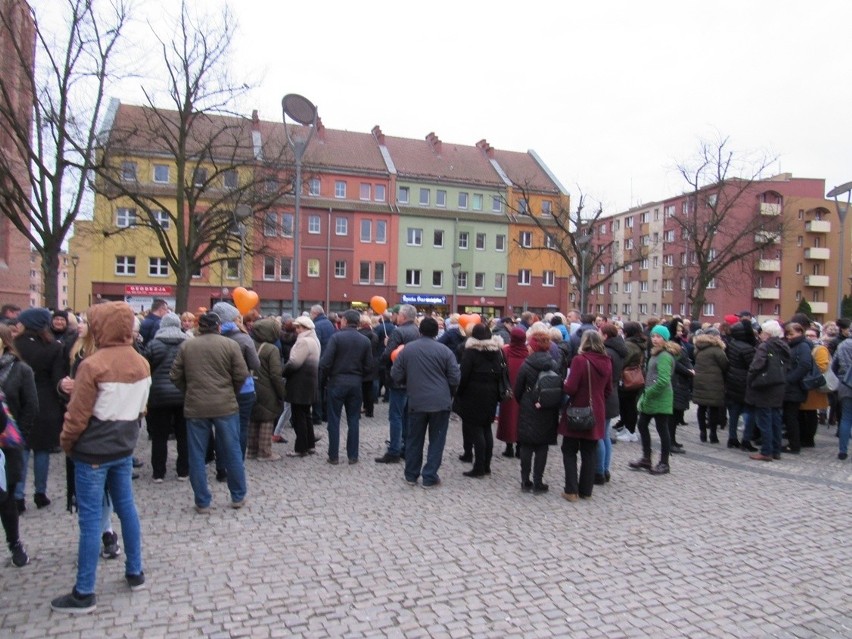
{"x": 766, "y": 237}
{"x": 818, "y": 226}
{"x": 767, "y": 293}
{"x": 816, "y": 280}
{"x": 769, "y": 265}
{"x": 770, "y": 209}
{"x": 818, "y": 308}
{"x": 817, "y": 254}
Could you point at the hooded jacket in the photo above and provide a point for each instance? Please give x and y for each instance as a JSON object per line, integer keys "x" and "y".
{"x": 478, "y": 392}
{"x": 160, "y": 353}
{"x": 536, "y": 426}
{"x": 773, "y": 396}
{"x": 658, "y": 396}
{"x": 711, "y": 364}
{"x": 269, "y": 385}
{"x": 110, "y": 390}
{"x": 740, "y": 353}
{"x": 801, "y": 363}
{"x": 579, "y": 385}
{"x": 302, "y": 368}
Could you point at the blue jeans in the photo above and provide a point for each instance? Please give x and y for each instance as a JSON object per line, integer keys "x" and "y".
{"x": 227, "y": 430}
{"x": 735, "y": 409}
{"x": 437, "y": 424}
{"x": 398, "y": 420}
{"x": 769, "y": 421}
{"x": 246, "y": 402}
{"x": 91, "y": 481}
{"x": 604, "y": 451}
{"x": 41, "y": 465}
{"x": 845, "y": 423}
{"x": 340, "y": 396}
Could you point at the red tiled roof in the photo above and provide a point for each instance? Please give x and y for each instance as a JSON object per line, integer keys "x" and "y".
{"x": 421, "y": 159}
{"x": 329, "y": 148}
{"x": 523, "y": 170}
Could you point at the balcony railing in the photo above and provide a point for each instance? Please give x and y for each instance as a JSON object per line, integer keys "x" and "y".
{"x": 818, "y": 226}
{"x": 767, "y": 293}
{"x": 817, "y": 254}
{"x": 817, "y": 280}
{"x": 818, "y": 308}
{"x": 769, "y": 265}
{"x": 764, "y": 237}
{"x": 770, "y": 209}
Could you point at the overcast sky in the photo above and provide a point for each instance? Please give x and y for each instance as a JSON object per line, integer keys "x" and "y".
{"x": 610, "y": 94}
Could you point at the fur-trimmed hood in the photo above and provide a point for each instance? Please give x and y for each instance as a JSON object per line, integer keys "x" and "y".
{"x": 705, "y": 341}
{"x": 672, "y": 348}
{"x": 494, "y": 343}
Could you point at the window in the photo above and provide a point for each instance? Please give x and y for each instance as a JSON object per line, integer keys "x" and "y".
{"x": 669, "y": 211}
{"x": 379, "y": 273}
{"x": 626, "y": 309}
{"x": 500, "y": 243}
{"x": 645, "y": 240}
{"x": 366, "y": 191}
{"x": 287, "y": 224}
{"x": 437, "y": 279}
{"x": 708, "y": 310}
{"x": 438, "y": 239}
{"x": 380, "y": 192}
{"x": 381, "y": 231}
{"x": 628, "y": 287}
{"x": 199, "y": 177}
{"x": 628, "y": 222}
{"x": 548, "y": 278}
{"x": 462, "y": 281}
{"x": 711, "y": 284}
{"x": 670, "y": 235}
{"x": 643, "y": 265}
{"x": 683, "y": 283}
{"x": 499, "y": 281}
{"x": 425, "y": 197}
{"x": 712, "y": 199}
{"x": 269, "y": 268}
{"x": 476, "y": 202}
{"x": 547, "y": 208}
{"x": 366, "y": 230}
{"x": 440, "y": 198}
{"x": 711, "y": 255}
{"x": 601, "y": 289}
{"x": 683, "y": 259}
{"x": 602, "y": 269}
{"x": 799, "y": 241}
{"x": 480, "y": 241}
{"x": 524, "y": 277}
{"x": 271, "y": 185}
{"x": 479, "y": 280}
{"x": 314, "y": 224}
{"x": 643, "y": 218}
{"x": 125, "y": 265}
{"x": 668, "y": 260}
{"x": 643, "y": 286}
{"x": 403, "y": 195}
{"x": 656, "y": 261}
{"x": 523, "y": 207}
{"x": 364, "y": 273}
{"x": 643, "y": 309}
{"x": 125, "y": 218}
{"x": 270, "y": 224}
{"x": 414, "y": 237}
{"x": 161, "y": 219}
{"x": 464, "y": 239}
{"x": 799, "y": 268}
{"x": 339, "y": 189}
{"x": 313, "y": 267}
{"x": 161, "y": 173}
{"x": 525, "y": 239}
{"x": 496, "y": 204}
{"x": 314, "y": 186}
{"x": 628, "y": 244}
{"x": 667, "y": 309}
{"x": 668, "y": 285}
{"x": 341, "y": 226}
{"x": 654, "y": 286}
{"x": 128, "y": 171}
{"x": 340, "y": 268}
{"x": 229, "y": 179}
{"x": 232, "y": 269}
{"x": 549, "y": 241}
{"x": 463, "y": 200}
{"x": 412, "y": 277}
{"x": 287, "y": 269}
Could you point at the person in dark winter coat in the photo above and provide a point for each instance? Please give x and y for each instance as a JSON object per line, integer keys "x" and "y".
{"x": 536, "y": 426}
{"x": 708, "y": 387}
{"x": 44, "y": 355}
{"x": 478, "y": 395}
{"x": 17, "y": 385}
{"x": 165, "y": 400}
{"x": 637, "y": 346}
{"x": 515, "y": 352}
{"x": 302, "y": 374}
{"x": 682, "y": 377}
{"x": 740, "y": 352}
{"x": 270, "y": 391}
{"x": 768, "y": 400}
{"x": 454, "y": 337}
{"x": 370, "y": 386}
{"x": 617, "y": 352}
{"x": 589, "y": 384}
{"x": 801, "y": 362}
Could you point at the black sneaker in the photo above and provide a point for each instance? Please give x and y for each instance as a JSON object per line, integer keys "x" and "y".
{"x": 136, "y": 582}
{"x": 539, "y": 489}
{"x": 21, "y": 505}
{"x": 19, "y": 555}
{"x": 387, "y": 458}
{"x": 137, "y": 463}
{"x": 221, "y": 475}
{"x": 41, "y": 500}
{"x": 74, "y": 603}
{"x": 660, "y": 469}
{"x": 111, "y": 548}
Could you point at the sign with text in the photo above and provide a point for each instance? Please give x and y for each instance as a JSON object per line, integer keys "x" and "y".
{"x": 148, "y": 290}
{"x": 424, "y": 299}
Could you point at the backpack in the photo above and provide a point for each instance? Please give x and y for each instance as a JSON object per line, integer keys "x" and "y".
{"x": 774, "y": 373}
{"x": 547, "y": 391}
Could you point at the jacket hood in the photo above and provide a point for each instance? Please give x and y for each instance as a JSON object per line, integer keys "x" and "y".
{"x": 617, "y": 344}
{"x": 673, "y": 348}
{"x": 706, "y": 341}
{"x": 494, "y": 343}
{"x": 599, "y": 361}
{"x": 541, "y": 361}
{"x": 111, "y": 324}
{"x": 265, "y": 330}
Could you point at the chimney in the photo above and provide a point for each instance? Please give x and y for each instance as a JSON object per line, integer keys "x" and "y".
{"x": 320, "y": 129}
{"x": 255, "y": 119}
{"x": 486, "y": 148}
{"x": 377, "y": 133}
{"x": 435, "y": 142}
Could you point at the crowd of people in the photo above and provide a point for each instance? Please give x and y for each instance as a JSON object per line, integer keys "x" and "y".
{"x": 226, "y": 386}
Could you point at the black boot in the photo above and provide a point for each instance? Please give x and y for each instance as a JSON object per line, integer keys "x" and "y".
{"x": 714, "y": 438}
{"x": 703, "y": 435}
{"x": 643, "y": 463}
{"x": 510, "y": 451}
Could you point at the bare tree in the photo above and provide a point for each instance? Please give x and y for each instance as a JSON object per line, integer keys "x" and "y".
{"x": 219, "y": 164}
{"x": 570, "y": 234}
{"x": 66, "y": 85}
{"x": 723, "y": 226}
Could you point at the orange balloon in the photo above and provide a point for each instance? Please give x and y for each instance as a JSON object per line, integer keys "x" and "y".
{"x": 379, "y": 304}
{"x": 464, "y": 320}
{"x": 245, "y": 300}
{"x": 396, "y": 352}
{"x": 475, "y": 318}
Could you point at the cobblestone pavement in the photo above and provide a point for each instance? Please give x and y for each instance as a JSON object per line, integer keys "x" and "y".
{"x": 722, "y": 547}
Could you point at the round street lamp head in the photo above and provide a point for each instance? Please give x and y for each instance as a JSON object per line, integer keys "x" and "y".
{"x": 242, "y": 212}
{"x": 299, "y": 109}
{"x": 839, "y": 190}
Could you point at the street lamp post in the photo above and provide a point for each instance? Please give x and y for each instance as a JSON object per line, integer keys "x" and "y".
{"x": 241, "y": 214}
{"x": 842, "y": 209}
{"x": 75, "y": 260}
{"x": 456, "y": 267}
{"x": 303, "y": 112}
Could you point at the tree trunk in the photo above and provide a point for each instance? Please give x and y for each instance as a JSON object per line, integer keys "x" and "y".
{"x": 50, "y": 276}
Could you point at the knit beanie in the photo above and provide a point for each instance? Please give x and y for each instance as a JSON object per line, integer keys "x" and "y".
{"x": 36, "y": 319}
{"x": 731, "y": 319}
{"x": 226, "y": 312}
{"x": 209, "y": 322}
{"x": 662, "y": 331}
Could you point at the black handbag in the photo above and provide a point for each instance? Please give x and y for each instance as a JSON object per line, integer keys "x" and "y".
{"x": 505, "y": 386}
{"x": 582, "y": 418}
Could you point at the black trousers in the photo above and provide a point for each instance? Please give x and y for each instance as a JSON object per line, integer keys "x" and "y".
{"x": 808, "y": 423}
{"x": 588, "y": 449}
{"x": 627, "y": 409}
{"x": 790, "y": 417}
{"x": 367, "y": 397}
{"x": 528, "y": 453}
{"x": 478, "y": 433}
{"x": 303, "y": 426}
{"x": 710, "y": 417}
{"x": 662, "y": 424}
{"x": 9, "y": 516}
{"x": 162, "y": 422}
